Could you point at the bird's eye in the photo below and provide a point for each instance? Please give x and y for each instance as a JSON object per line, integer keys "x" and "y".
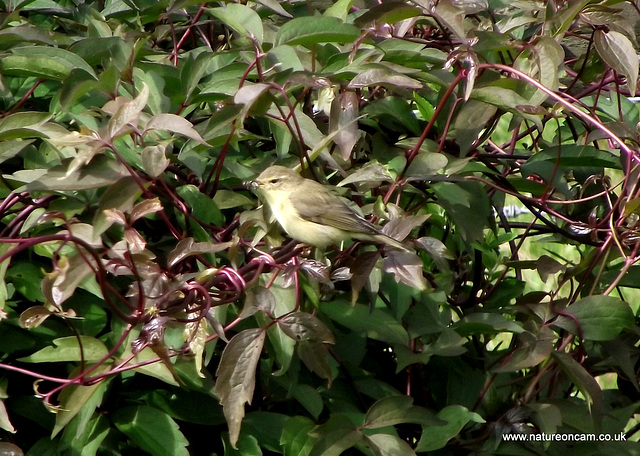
{"x": 274, "y": 181}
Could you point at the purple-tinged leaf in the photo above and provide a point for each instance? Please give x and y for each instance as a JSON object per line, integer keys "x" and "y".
{"x": 436, "y": 250}
{"x": 236, "y": 376}
{"x": 361, "y": 272}
{"x": 144, "y": 208}
{"x": 406, "y": 267}
{"x": 127, "y": 113}
{"x": 618, "y": 52}
{"x": 384, "y": 77}
{"x": 399, "y": 228}
{"x": 451, "y": 16}
{"x": 315, "y": 356}
{"x": 342, "y": 122}
{"x": 174, "y": 124}
{"x": 154, "y": 160}
{"x": 372, "y": 174}
{"x": 34, "y": 317}
{"x": 305, "y": 326}
{"x": 188, "y": 247}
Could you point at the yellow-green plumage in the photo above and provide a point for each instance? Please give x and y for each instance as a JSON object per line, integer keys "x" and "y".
{"x": 309, "y": 212}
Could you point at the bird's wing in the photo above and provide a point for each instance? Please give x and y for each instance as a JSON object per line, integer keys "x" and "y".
{"x": 312, "y": 206}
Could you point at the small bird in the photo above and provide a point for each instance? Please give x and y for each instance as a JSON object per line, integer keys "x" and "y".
{"x": 309, "y": 212}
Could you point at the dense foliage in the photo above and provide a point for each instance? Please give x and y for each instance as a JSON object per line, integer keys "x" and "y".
{"x": 152, "y": 306}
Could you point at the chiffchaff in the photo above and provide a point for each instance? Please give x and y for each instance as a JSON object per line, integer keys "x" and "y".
{"x": 309, "y": 212}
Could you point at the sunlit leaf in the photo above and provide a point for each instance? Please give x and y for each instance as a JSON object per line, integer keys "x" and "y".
{"x": 77, "y": 397}
{"x": 174, "y": 124}
{"x": 406, "y": 267}
{"x": 342, "y": 121}
{"x": 127, "y": 112}
{"x": 69, "y": 348}
{"x": 618, "y": 52}
{"x": 236, "y": 376}
{"x": 242, "y": 19}
{"x": 313, "y": 30}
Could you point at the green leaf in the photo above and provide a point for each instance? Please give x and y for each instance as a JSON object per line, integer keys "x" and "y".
{"x": 266, "y": 427}
{"x": 505, "y": 98}
{"x": 11, "y": 148}
{"x": 236, "y": 376}
{"x": 247, "y": 445}
{"x": 75, "y": 398}
{"x": 69, "y": 348}
{"x": 618, "y": 52}
{"x": 227, "y": 199}
{"x": 394, "y": 410}
{"x": 532, "y": 349}
{"x": 600, "y": 317}
{"x": 378, "y": 325}
{"x": 295, "y": 439}
{"x": 151, "y": 430}
{"x": 471, "y": 121}
{"x": 309, "y": 398}
{"x": 77, "y": 84}
{"x": 486, "y": 323}
{"x": 585, "y": 382}
{"x": 249, "y": 95}
{"x": 313, "y": 30}
{"x": 467, "y": 204}
{"x": 5, "y": 423}
{"x": 394, "y": 112}
{"x": 202, "y": 207}
{"x": 242, "y": 19}
{"x": 335, "y": 436}
{"x": 42, "y": 62}
{"x": 275, "y": 6}
{"x": 100, "y": 172}
{"x": 4, "y": 292}
{"x": 436, "y": 437}
{"x": 388, "y": 12}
